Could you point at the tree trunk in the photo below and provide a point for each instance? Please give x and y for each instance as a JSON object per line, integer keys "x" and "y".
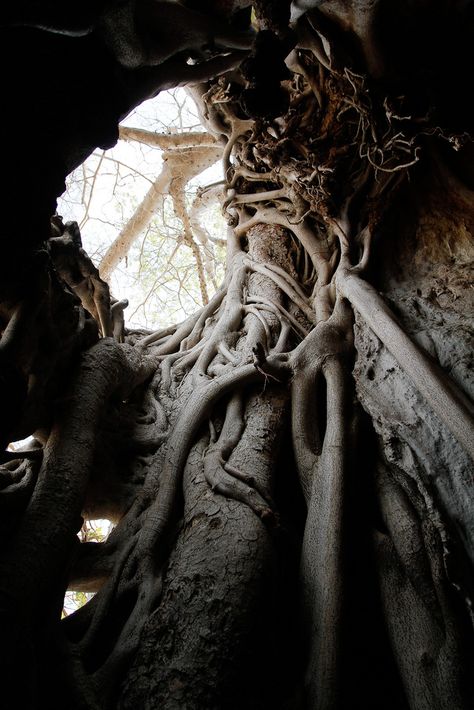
{"x": 289, "y": 470}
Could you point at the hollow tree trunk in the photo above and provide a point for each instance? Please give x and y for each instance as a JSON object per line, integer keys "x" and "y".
{"x": 289, "y": 468}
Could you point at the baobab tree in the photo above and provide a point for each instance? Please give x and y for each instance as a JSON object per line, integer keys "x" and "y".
{"x": 289, "y": 469}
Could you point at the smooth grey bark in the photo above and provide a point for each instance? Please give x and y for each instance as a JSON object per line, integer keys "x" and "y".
{"x": 234, "y": 523}
{"x": 216, "y": 615}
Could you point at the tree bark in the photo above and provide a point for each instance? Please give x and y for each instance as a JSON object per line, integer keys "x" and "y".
{"x": 290, "y": 468}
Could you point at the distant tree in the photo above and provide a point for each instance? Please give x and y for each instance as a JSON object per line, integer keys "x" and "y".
{"x": 168, "y": 253}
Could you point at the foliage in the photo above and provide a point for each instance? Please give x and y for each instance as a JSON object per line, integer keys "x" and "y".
{"x": 158, "y": 275}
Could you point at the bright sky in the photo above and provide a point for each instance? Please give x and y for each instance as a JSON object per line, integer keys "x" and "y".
{"x": 102, "y": 195}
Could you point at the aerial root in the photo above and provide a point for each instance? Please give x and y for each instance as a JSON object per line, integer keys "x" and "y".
{"x": 249, "y": 480}
{"x": 305, "y": 426}
{"x": 322, "y": 549}
{"x": 226, "y": 353}
{"x": 287, "y": 286}
{"x": 227, "y": 480}
{"x": 281, "y": 344}
{"x": 182, "y": 360}
{"x": 406, "y": 530}
{"x": 156, "y": 336}
{"x": 265, "y": 331}
{"x": 433, "y": 384}
{"x": 194, "y": 336}
{"x": 103, "y": 600}
{"x": 197, "y": 410}
{"x": 131, "y": 576}
{"x": 279, "y": 312}
{"x": 241, "y": 171}
{"x": 240, "y": 128}
{"x": 275, "y": 368}
{"x": 231, "y": 483}
{"x": 150, "y": 591}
